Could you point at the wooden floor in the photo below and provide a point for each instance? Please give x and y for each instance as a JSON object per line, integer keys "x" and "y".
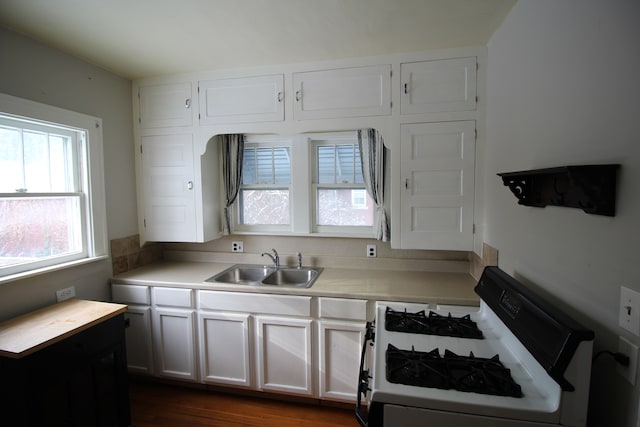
{"x": 161, "y": 405}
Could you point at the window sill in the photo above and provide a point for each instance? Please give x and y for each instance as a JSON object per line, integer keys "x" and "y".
{"x": 50, "y": 269}
{"x": 286, "y": 234}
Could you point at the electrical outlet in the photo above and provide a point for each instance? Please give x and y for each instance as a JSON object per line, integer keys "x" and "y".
{"x": 628, "y": 349}
{"x": 630, "y": 310}
{"x": 371, "y": 251}
{"x": 65, "y": 293}
{"x": 236, "y": 246}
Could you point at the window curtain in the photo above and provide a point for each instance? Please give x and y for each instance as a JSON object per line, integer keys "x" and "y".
{"x": 372, "y": 160}
{"x": 232, "y": 153}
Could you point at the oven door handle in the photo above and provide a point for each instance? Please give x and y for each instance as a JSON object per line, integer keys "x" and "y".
{"x": 363, "y": 376}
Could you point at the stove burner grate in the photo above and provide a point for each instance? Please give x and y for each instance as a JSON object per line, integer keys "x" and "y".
{"x": 450, "y": 372}
{"x": 431, "y": 324}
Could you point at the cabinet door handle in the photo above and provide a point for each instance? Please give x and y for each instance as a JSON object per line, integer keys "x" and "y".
{"x": 279, "y": 96}
{"x": 406, "y": 183}
{"x": 298, "y": 95}
{"x": 406, "y": 88}
{"x": 190, "y": 185}
{"x": 187, "y": 103}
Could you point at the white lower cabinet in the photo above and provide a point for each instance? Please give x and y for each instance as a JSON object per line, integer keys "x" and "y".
{"x": 284, "y": 355}
{"x": 138, "y": 339}
{"x": 138, "y": 331}
{"x": 341, "y": 335}
{"x": 225, "y": 352}
{"x": 340, "y": 347}
{"x": 174, "y": 333}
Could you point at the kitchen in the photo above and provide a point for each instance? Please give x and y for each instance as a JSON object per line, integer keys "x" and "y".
{"x": 546, "y": 106}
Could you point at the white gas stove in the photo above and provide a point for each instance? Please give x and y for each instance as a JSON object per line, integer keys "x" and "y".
{"x": 517, "y": 361}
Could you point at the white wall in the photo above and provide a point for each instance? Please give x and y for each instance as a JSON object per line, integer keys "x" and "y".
{"x": 563, "y": 88}
{"x": 33, "y": 71}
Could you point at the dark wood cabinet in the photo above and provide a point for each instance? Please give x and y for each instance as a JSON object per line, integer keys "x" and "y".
{"x": 80, "y": 381}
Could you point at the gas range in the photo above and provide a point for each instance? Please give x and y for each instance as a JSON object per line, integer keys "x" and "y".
{"x": 514, "y": 361}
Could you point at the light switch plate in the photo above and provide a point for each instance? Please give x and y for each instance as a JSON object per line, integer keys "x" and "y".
{"x": 630, "y": 310}
{"x": 66, "y": 293}
{"x": 628, "y": 349}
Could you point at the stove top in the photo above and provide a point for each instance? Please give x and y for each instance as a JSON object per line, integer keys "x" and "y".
{"x": 431, "y": 324}
{"x": 450, "y": 372}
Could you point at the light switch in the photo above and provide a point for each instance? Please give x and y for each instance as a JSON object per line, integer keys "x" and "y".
{"x": 630, "y": 310}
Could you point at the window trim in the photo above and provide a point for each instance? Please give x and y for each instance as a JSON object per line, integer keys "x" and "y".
{"x": 302, "y": 189}
{"x": 96, "y": 219}
{"x": 272, "y": 141}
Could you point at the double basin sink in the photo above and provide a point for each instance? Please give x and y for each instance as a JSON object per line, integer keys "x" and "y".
{"x": 257, "y": 275}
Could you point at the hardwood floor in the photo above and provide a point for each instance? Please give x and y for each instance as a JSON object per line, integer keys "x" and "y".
{"x": 161, "y": 405}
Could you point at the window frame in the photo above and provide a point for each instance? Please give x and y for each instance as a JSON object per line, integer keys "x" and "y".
{"x": 90, "y": 159}
{"x": 302, "y": 190}
{"x": 334, "y": 139}
{"x": 260, "y": 141}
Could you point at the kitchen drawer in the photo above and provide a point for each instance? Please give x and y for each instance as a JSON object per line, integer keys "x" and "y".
{"x": 286, "y": 305}
{"x": 340, "y": 308}
{"x": 130, "y": 294}
{"x": 173, "y": 297}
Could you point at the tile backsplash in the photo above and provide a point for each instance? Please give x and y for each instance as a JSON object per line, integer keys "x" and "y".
{"x": 126, "y": 254}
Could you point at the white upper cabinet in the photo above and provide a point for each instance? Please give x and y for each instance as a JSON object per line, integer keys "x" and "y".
{"x": 169, "y": 188}
{"x": 444, "y": 85}
{"x": 344, "y": 92}
{"x": 437, "y": 194}
{"x": 165, "y": 105}
{"x": 242, "y": 100}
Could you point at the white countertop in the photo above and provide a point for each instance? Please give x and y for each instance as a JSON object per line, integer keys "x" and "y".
{"x": 381, "y": 285}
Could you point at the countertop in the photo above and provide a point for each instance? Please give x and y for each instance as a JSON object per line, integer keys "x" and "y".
{"x": 380, "y": 285}
{"x": 26, "y": 334}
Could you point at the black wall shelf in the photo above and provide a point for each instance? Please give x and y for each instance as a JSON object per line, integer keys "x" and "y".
{"x": 591, "y": 188}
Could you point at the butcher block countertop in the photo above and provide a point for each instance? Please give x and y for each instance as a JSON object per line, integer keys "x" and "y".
{"x": 28, "y": 333}
{"x": 379, "y": 285}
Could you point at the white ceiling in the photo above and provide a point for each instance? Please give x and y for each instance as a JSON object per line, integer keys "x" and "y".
{"x": 143, "y": 38}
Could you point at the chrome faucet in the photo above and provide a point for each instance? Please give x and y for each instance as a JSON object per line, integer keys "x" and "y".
{"x": 275, "y": 258}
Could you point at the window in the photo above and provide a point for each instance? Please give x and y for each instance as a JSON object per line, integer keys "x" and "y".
{"x": 47, "y": 204}
{"x": 340, "y": 195}
{"x": 264, "y": 197}
{"x": 303, "y": 184}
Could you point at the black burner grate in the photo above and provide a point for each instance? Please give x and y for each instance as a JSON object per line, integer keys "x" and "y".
{"x": 450, "y": 372}
{"x": 431, "y": 324}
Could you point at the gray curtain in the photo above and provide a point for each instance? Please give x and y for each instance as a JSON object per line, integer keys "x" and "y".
{"x": 232, "y": 153}
{"x": 372, "y": 159}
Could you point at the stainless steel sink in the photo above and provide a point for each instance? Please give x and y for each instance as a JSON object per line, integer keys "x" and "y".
{"x": 257, "y": 275}
{"x": 302, "y": 277}
{"x": 242, "y": 275}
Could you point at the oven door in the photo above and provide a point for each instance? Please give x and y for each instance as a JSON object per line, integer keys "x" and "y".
{"x": 370, "y": 416}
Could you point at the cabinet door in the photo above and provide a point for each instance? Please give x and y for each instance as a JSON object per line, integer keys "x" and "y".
{"x": 284, "y": 355}
{"x": 340, "y": 347}
{"x": 437, "y": 194}
{"x": 168, "y": 188}
{"x": 224, "y": 348}
{"x": 438, "y": 86}
{"x": 138, "y": 338}
{"x": 345, "y": 92}
{"x": 242, "y": 100}
{"x": 174, "y": 342}
{"x": 165, "y": 105}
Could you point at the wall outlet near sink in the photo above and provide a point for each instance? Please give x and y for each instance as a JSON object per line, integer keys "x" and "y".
{"x": 236, "y": 246}
{"x": 371, "y": 251}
